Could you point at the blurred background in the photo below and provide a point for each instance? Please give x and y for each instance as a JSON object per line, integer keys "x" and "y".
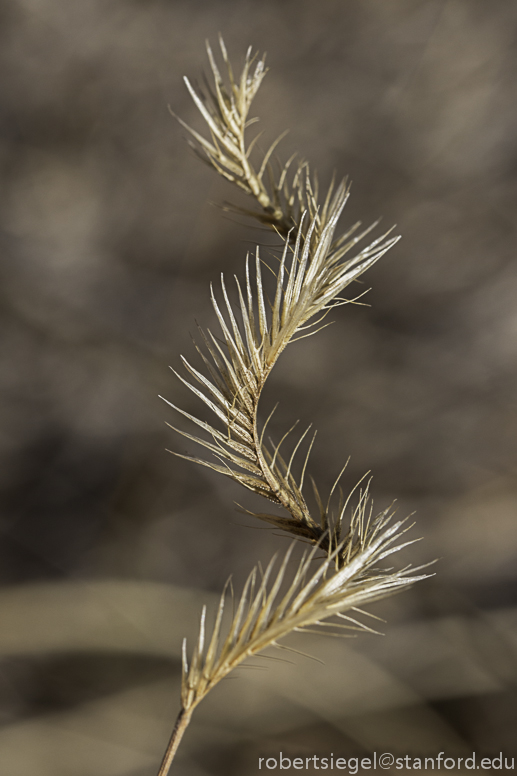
{"x": 109, "y": 546}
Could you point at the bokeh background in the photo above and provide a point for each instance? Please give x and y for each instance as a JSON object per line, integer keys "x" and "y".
{"x": 109, "y": 546}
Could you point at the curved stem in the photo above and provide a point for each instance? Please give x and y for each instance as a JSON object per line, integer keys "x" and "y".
{"x": 181, "y": 725}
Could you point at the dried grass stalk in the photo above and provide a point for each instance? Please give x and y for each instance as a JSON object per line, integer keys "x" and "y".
{"x": 340, "y": 574}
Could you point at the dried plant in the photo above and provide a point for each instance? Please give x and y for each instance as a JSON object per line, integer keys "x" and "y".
{"x": 340, "y": 573}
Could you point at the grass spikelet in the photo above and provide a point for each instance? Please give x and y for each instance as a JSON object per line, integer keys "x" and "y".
{"x": 318, "y": 589}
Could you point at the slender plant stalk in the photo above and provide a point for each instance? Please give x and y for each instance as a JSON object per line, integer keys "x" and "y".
{"x": 181, "y": 725}
{"x": 339, "y": 574}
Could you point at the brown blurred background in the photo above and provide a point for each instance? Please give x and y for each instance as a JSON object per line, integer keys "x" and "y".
{"x": 109, "y": 546}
